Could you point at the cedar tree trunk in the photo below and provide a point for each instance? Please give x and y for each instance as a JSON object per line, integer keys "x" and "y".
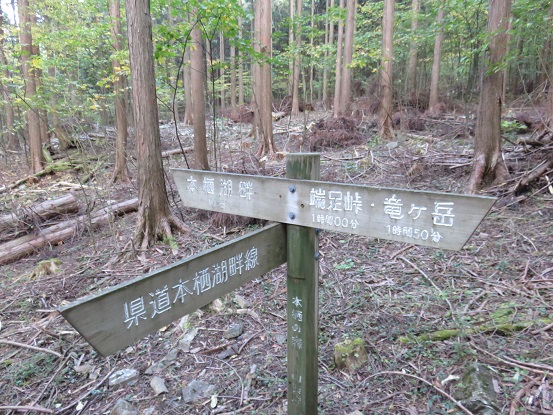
{"x": 386, "y": 127}
{"x": 488, "y": 165}
{"x": 435, "y": 77}
{"x": 338, "y": 110}
{"x": 33, "y": 123}
{"x": 187, "y": 85}
{"x": 10, "y": 137}
{"x": 197, "y": 65}
{"x": 345, "y": 101}
{"x": 413, "y": 49}
{"x": 263, "y": 94}
{"x": 297, "y": 60}
{"x": 154, "y": 216}
{"x": 120, "y": 172}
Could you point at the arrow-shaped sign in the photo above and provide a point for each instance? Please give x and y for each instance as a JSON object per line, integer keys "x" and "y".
{"x": 438, "y": 220}
{"x": 121, "y": 315}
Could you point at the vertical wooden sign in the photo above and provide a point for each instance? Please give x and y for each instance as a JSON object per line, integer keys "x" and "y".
{"x": 303, "y": 298}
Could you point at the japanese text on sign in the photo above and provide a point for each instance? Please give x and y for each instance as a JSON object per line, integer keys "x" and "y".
{"x": 161, "y": 300}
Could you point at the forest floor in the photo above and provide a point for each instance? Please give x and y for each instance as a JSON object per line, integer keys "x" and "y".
{"x": 372, "y": 289}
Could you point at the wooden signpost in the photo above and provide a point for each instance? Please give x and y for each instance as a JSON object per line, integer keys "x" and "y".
{"x": 123, "y": 314}
{"x": 119, "y": 316}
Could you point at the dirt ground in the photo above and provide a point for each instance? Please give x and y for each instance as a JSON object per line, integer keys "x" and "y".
{"x": 372, "y": 289}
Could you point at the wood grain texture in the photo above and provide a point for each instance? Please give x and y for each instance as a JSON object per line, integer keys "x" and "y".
{"x": 303, "y": 300}
{"x": 121, "y": 315}
{"x": 438, "y": 220}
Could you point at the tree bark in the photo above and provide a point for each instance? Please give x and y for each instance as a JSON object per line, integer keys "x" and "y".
{"x": 329, "y": 36}
{"x": 154, "y": 216}
{"x": 345, "y": 99}
{"x": 297, "y": 60}
{"x": 413, "y": 49}
{"x": 435, "y": 77}
{"x": 37, "y": 72}
{"x": 120, "y": 172}
{"x": 54, "y": 235}
{"x": 291, "y": 45}
{"x": 197, "y": 65}
{"x": 33, "y": 122}
{"x": 233, "y": 77}
{"x": 311, "y": 40}
{"x": 240, "y": 63}
{"x": 188, "y": 119}
{"x": 338, "y": 110}
{"x": 386, "y": 127}
{"x": 488, "y": 165}
{"x": 222, "y": 68}
{"x": 10, "y": 138}
{"x": 263, "y": 94}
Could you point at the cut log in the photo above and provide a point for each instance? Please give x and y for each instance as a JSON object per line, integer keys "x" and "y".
{"x": 278, "y": 115}
{"x": 26, "y": 245}
{"x": 25, "y": 218}
{"x": 174, "y": 151}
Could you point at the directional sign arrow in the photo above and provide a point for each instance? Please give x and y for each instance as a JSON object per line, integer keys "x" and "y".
{"x": 121, "y": 315}
{"x": 438, "y": 220}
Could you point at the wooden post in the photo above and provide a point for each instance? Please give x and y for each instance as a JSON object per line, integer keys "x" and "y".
{"x": 303, "y": 296}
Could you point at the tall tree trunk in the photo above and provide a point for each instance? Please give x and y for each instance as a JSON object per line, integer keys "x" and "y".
{"x": 263, "y": 94}
{"x": 329, "y": 35}
{"x": 233, "y": 77}
{"x": 338, "y": 110}
{"x": 10, "y": 138}
{"x": 37, "y": 72}
{"x": 297, "y": 60}
{"x": 348, "y": 57}
{"x": 187, "y": 85}
{"x": 488, "y": 165}
{"x": 120, "y": 172}
{"x": 435, "y": 77}
{"x": 550, "y": 99}
{"x": 197, "y": 67}
{"x": 33, "y": 122}
{"x": 311, "y": 39}
{"x": 240, "y": 63}
{"x": 222, "y": 69}
{"x": 291, "y": 44}
{"x": 413, "y": 47}
{"x": 386, "y": 127}
{"x": 545, "y": 58}
{"x": 154, "y": 218}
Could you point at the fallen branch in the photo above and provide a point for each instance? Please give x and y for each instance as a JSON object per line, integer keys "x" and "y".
{"x": 504, "y": 329}
{"x": 20, "y": 247}
{"x": 27, "y": 216}
{"x": 26, "y": 409}
{"x": 27, "y": 346}
{"x": 62, "y": 165}
{"x": 529, "y": 366}
{"x": 174, "y": 151}
{"x": 525, "y": 182}
{"x": 439, "y": 390}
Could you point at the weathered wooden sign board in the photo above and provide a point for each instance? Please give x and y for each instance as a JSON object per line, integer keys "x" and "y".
{"x": 439, "y": 220}
{"x": 119, "y": 316}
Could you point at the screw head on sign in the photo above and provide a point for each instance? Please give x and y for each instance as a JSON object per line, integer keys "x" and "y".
{"x": 292, "y": 188}
{"x": 291, "y": 215}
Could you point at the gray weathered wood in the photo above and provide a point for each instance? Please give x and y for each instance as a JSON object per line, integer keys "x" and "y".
{"x": 28, "y": 216}
{"x": 121, "y": 315}
{"x": 303, "y": 300}
{"x": 438, "y": 220}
